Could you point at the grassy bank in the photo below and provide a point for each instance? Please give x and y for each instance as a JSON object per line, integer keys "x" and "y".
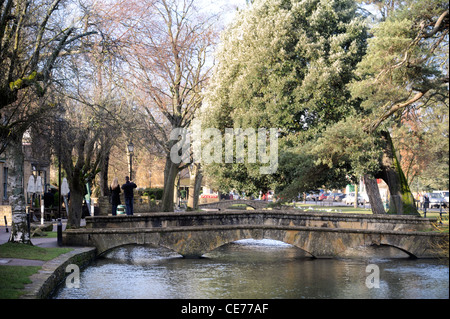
{"x": 14, "y": 250}
{"x": 334, "y": 209}
{"x": 361, "y": 210}
{"x": 14, "y": 278}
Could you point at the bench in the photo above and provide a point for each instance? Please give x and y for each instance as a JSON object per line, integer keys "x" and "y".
{"x": 49, "y": 214}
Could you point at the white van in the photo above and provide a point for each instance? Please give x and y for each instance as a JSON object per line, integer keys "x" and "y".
{"x": 436, "y": 199}
{"x": 350, "y": 198}
{"x": 445, "y": 195}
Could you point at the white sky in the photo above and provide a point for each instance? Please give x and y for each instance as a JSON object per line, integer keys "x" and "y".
{"x": 226, "y": 8}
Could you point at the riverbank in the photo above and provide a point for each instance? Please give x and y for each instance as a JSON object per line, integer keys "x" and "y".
{"x": 33, "y": 272}
{"x": 40, "y": 281}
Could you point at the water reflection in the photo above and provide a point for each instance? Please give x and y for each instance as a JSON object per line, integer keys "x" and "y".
{"x": 254, "y": 269}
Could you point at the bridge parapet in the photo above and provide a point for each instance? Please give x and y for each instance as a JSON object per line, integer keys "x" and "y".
{"x": 322, "y": 235}
{"x": 264, "y": 217}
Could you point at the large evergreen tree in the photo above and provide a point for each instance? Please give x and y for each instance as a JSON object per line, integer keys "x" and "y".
{"x": 294, "y": 65}
{"x": 403, "y": 71}
{"x": 286, "y": 64}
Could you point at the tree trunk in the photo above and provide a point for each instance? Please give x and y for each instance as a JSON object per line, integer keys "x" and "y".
{"x": 15, "y": 162}
{"x": 176, "y": 190}
{"x": 195, "y": 183}
{"x": 402, "y": 200}
{"x": 104, "y": 167}
{"x": 373, "y": 192}
{"x": 76, "y": 200}
{"x": 170, "y": 174}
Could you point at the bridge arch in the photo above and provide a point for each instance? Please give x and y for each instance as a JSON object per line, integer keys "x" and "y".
{"x": 105, "y": 250}
{"x": 307, "y": 254}
{"x": 227, "y": 204}
{"x": 320, "y": 235}
{"x": 317, "y": 244}
{"x": 400, "y": 249}
{"x": 148, "y": 245}
{"x": 228, "y": 240}
{"x": 200, "y": 243}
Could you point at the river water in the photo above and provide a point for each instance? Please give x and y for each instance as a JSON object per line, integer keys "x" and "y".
{"x": 257, "y": 269}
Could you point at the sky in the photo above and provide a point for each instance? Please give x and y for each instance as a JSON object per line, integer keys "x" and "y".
{"x": 226, "y": 8}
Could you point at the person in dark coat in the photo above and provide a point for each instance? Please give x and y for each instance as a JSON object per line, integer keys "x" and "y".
{"x": 48, "y": 199}
{"x": 129, "y": 196}
{"x": 115, "y": 195}
{"x": 426, "y": 204}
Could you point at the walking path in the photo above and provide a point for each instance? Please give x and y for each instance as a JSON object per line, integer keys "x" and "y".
{"x": 52, "y": 272}
{"x": 37, "y": 241}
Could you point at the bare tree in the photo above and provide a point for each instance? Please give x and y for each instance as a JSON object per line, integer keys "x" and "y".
{"x": 167, "y": 49}
{"x": 34, "y": 35}
{"x": 95, "y": 112}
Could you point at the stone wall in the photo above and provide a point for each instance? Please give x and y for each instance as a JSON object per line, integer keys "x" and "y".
{"x": 323, "y": 235}
{"x": 53, "y": 272}
{"x": 5, "y": 210}
{"x": 194, "y": 241}
{"x": 141, "y": 204}
{"x": 265, "y": 217}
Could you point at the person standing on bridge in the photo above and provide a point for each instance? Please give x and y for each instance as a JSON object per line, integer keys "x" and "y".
{"x": 129, "y": 196}
{"x": 115, "y": 195}
{"x": 426, "y": 204}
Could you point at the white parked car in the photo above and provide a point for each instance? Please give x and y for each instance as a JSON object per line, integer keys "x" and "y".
{"x": 445, "y": 195}
{"x": 436, "y": 200}
{"x": 350, "y": 199}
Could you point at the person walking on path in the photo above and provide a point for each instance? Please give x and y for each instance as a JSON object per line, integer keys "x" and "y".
{"x": 115, "y": 195}
{"x": 128, "y": 192}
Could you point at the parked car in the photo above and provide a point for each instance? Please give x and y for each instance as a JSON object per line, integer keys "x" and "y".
{"x": 323, "y": 196}
{"x": 337, "y": 197}
{"x": 312, "y": 197}
{"x": 350, "y": 199}
{"x": 445, "y": 195}
{"x": 436, "y": 200}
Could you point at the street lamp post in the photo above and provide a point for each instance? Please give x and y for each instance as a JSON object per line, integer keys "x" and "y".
{"x": 59, "y": 121}
{"x": 130, "y": 148}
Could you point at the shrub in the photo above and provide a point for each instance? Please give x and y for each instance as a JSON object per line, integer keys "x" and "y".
{"x": 153, "y": 193}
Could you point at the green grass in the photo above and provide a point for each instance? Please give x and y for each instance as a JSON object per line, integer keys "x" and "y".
{"x": 49, "y": 234}
{"x": 360, "y": 210}
{"x": 240, "y": 206}
{"x": 13, "y": 280}
{"x": 335, "y": 209}
{"x": 14, "y": 250}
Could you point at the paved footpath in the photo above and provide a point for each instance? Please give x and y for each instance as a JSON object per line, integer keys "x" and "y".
{"x": 53, "y": 271}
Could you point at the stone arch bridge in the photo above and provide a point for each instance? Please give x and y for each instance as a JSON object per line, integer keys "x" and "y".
{"x": 322, "y": 235}
{"x": 228, "y": 203}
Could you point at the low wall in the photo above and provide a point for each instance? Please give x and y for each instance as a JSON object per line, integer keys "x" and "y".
{"x": 264, "y": 217}
{"x": 53, "y": 272}
{"x": 207, "y": 200}
{"x": 141, "y": 204}
{"x": 194, "y": 241}
{"x": 5, "y": 210}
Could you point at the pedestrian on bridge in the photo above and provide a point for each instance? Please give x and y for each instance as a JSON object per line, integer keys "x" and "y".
{"x": 115, "y": 195}
{"x": 128, "y": 188}
{"x": 426, "y": 204}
